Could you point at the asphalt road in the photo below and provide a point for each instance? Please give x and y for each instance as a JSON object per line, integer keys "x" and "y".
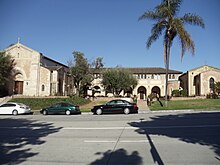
{"x": 135, "y": 139}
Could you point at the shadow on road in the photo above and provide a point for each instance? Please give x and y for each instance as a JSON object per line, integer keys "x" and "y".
{"x": 119, "y": 157}
{"x": 195, "y": 128}
{"x": 18, "y": 136}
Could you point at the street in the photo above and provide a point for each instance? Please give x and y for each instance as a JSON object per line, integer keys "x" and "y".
{"x": 134, "y": 139}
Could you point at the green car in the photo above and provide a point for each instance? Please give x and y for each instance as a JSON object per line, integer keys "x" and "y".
{"x": 61, "y": 108}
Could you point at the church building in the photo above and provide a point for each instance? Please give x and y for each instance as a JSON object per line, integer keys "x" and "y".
{"x": 36, "y": 74}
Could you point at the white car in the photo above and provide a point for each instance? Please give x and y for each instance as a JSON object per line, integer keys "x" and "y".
{"x": 14, "y": 108}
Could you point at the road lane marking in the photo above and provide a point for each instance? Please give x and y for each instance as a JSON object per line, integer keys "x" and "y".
{"x": 100, "y": 141}
{"x": 134, "y": 141}
{"x": 114, "y": 141}
{"x": 97, "y": 128}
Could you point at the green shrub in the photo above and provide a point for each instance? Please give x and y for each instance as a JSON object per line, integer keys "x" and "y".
{"x": 212, "y": 96}
{"x": 179, "y": 93}
{"x": 176, "y": 93}
{"x": 183, "y": 93}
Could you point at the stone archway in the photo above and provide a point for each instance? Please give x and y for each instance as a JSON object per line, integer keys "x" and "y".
{"x": 96, "y": 89}
{"x": 211, "y": 84}
{"x": 156, "y": 90}
{"x": 18, "y": 83}
{"x": 142, "y": 91}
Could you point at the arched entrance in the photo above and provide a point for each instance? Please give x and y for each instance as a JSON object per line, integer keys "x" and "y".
{"x": 156, "y": 90}
{"x": 18, "y": 86}
{"x": 197, "y": 84}
{"x": 96, "y": 89}
{"x": 211, "y": 84}
{"x": 142, "y": 92}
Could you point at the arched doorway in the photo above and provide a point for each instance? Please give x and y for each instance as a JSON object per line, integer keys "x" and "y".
{"x": 211, "y": 84}
{"x": 142, "y": 92}
{"x": 18, "y": 86}
{"x": 197, "y": 84}
{"x": 156, "y": 90}
{"x": 96, "y": 89}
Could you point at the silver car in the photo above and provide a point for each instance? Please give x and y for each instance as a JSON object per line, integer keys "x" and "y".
{"x": 14, "y": 108}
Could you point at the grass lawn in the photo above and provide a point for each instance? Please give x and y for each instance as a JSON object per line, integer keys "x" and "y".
{"x": 39, "y": 103}
{"x": 196, "y": 104}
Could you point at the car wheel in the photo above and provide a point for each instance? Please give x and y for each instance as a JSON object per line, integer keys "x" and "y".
{"x": 126, "y": 111}
{"x": 68, "y": 112}
{"x": 15, "y": 112}
{"x": 99, "y": 112}
{"x": 44, "y": 112}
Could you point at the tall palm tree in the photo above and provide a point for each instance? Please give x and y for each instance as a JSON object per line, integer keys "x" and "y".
{"x": 170, "y": 26}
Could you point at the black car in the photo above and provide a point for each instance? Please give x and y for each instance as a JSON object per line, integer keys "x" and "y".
{"x": 115, "y": 106}
{"x": 61, "y": 108}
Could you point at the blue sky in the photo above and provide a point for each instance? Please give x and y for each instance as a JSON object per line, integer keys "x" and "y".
{"x": 108, "y": 29}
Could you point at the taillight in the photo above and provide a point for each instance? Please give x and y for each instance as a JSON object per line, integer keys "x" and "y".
{"x": 135, "y": 105}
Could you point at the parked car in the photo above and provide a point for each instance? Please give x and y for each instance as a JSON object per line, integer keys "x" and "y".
{"x": 13, "y": 108}
{"x": 116, "y": 106}
{"x": 61, "y": 108}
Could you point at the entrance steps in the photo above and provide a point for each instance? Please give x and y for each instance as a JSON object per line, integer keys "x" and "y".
{"x": 142, "y": 104}
{"x": 5, "y": 99}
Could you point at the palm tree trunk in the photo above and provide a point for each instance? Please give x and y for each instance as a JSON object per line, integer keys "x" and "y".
{"x": 167, "y": 72}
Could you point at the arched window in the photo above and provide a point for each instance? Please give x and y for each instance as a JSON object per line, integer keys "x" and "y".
{"x": 211, "y": 84}
{"x": 42, "y": 87}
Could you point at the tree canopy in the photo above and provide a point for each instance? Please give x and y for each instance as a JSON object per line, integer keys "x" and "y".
{"x": 116, "y": 80}
{"x": 6, "y": 66}
{"x": 98, "y": 63}
{"x": 80, "y": 71}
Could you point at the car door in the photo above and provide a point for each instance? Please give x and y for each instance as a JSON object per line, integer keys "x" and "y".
{"x": 64, "y": 107}
{"x": 3, "y": 109}
{"x": 120, "y": 106}
{"x": 55, "y": 108}
{"x": 7, "y": 108}
{"x": 110, "y": 107}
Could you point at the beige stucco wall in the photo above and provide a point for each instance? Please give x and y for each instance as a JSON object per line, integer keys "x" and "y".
{"x": 147, "y": 83}
{"x": 54, "y": 82}
{"x": 206, "y": 72}
{"x": 205, "y": 77}
{"x": 44, "y": 81}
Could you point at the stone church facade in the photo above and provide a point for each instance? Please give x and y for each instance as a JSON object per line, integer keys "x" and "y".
{"x": 37, "y": 75}
{"x": 200, "y": 81}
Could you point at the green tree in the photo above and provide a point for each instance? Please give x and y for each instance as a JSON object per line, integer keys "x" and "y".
{"x": 80, "y": 71}
{"x": 217, "y": 87}
{"x": 6, "y": 66}
{"x": 98, "y": 63}
{"x": 117, "y": 80}
{"x": 170, "y": 26}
